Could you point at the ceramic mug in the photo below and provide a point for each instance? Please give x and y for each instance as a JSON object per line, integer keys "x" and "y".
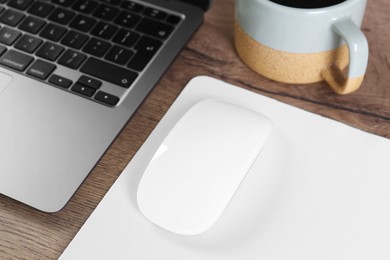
{"x": 303, "y": 45}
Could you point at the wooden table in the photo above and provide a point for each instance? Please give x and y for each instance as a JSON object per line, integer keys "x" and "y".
{"x": 28, "y": 233}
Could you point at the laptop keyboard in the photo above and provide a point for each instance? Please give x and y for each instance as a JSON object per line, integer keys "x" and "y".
{"x": 98, "y": 42}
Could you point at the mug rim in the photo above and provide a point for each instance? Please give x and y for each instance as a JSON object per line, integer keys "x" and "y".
{"x": 309, "y": 10}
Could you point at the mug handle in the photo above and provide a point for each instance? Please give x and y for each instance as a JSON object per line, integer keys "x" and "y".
{"x": 358, "y": 59}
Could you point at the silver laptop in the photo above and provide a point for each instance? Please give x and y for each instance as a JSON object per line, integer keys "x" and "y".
{"x": 72, "y": 73}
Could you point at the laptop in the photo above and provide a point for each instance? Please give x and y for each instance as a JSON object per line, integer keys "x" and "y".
{"x": 72, "y": 73}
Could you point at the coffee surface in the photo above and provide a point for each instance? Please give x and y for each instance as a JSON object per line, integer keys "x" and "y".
{"x": 308, "y": 3}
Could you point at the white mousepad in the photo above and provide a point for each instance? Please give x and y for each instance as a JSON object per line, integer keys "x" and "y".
{"x": 319, "y": 190}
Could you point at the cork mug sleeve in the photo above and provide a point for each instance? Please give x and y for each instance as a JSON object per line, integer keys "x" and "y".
{"x": 358, "y": 59}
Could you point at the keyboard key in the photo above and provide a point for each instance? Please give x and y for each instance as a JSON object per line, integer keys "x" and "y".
{"x": 72, "y": 59}
{"x": 109, "y": 72}
{"x": 127, "y": 19}
{"x": 8, "y": 36}
{"x": 106, "y": 12}
{"x": 61, "y": 16}
{"x": 96, "y": 47}
{"x": 89, "y": 82}
{"x": 104, "y": 30}
{"x": 74, "y": 39}
{"x": 63, "y": 2}
{"x": 85, "y": 6}
{"x": 28, "y": 43}
{"x": 146, "y": 49}
{"x": 40, "y": 9}
{"x": 11, "y": 17}
{"x": 154, "y": 28}
{"x": 41, "y": 69}
{"x": 82, "y": 23}
{"x": 83, "y": 90}
{"x": 2, "y": 49}
{"x": 119, "y": 55}
{"x": 20, "y": 4}
{"x": 113, "y": 2}
{"x": 126, "y": 38}
{"x": 173, "y": 19}
{"x": 155, "y": 13}
{"x": 32, "y": 25}
{"x": 16, "y": 60}
{"x": 60, "y": 81}
{"x": 132, "y": 6}
{"x": 50, "y": 51}
{"x": 106, "y": 98}
{"x": 139, "y": 61}
{"x": 148, "y": 45}
{"x": 53, "y": 32}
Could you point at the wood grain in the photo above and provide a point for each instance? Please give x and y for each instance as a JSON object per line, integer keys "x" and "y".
{"x": 26, "y": 233}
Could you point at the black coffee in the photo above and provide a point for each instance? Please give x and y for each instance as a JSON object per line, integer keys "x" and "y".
{"x": 308, "y": 3}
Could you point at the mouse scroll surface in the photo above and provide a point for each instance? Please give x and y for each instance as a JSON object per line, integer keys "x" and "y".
{"x": 199, "y": 166}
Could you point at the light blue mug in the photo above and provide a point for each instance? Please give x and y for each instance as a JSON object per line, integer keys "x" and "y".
{"x": 303, "y": 45}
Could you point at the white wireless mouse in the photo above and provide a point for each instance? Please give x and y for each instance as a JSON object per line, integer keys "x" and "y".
{"x": 199, "y": 166}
